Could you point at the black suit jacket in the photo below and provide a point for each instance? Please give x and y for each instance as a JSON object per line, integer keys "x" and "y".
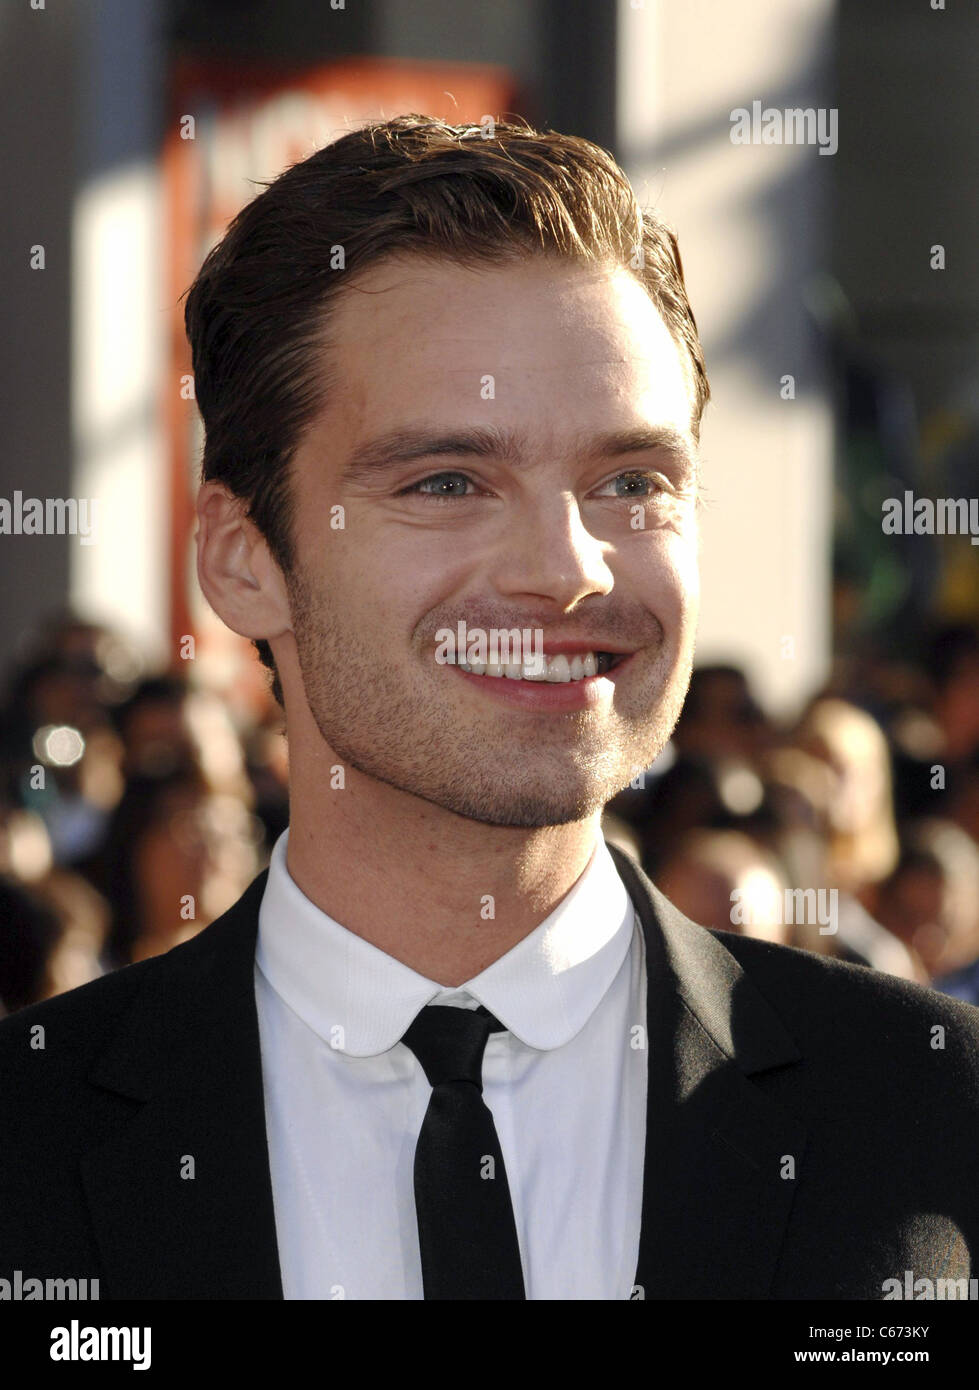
{"x": 807, "y": 1136}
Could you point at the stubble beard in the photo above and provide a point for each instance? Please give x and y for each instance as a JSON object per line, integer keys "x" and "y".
{"x": 498, "y": 768}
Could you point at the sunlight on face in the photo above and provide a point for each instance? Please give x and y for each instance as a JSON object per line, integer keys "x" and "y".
{"x": 511, "y": 448}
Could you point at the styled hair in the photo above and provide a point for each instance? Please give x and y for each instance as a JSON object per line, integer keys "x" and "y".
{"x": 257, "y": 314}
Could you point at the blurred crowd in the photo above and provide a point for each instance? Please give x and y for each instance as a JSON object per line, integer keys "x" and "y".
{"x": 135, "y": 807}
{"x": 851, "y": 830}
{"x": 133, "y": 810}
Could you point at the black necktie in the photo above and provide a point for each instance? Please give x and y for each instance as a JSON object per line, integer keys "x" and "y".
{"x": 466, "y": 1230}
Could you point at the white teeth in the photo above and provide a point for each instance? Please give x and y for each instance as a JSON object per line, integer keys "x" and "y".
{"x": 558, "y": 670}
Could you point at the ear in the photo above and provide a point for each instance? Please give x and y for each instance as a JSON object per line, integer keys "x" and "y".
{"x": 240, "y": 579}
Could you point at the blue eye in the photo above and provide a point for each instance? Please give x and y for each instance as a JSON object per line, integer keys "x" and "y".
{"x": 635, "y": 484}
{"x": 449, "y": 485}
{"x": 440, "y": 489}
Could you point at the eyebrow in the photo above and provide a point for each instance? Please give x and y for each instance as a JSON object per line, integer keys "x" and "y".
{"x": 397, "y": 447}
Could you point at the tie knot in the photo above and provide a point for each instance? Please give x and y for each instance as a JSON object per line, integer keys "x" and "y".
{"x": 449, "y": 1042}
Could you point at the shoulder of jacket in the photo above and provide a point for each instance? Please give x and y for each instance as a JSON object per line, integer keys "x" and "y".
{"x": 858, "y": 1006}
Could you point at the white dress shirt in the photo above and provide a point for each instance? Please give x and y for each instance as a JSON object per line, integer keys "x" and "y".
{"x": 345, "y": 1099}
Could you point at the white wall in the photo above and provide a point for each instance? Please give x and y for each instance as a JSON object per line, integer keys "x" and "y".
{"x": 751, "y": 231}
{"x": 118, "y": 340}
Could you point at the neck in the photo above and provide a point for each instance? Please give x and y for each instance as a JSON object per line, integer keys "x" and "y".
{"x": 444, "y": 894}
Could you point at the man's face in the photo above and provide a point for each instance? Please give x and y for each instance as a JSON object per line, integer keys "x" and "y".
{"x": 595, "y": 549}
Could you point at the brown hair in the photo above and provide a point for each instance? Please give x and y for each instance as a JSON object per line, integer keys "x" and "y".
{"x": 257, "y": 312}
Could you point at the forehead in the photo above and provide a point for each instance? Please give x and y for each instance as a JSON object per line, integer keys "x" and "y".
{"x": 544, "y": 343}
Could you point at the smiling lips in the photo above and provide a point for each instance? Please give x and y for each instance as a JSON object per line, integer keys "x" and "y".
{"x": 572, "y": 682}
{"x": 559, "y": 668}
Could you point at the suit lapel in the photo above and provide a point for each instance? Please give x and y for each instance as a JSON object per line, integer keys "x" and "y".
{"x": 179, "y": 1192}
{"x": 715, "y": 1201}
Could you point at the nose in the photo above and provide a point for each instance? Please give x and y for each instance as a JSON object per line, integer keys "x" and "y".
{"x": 548, "y": 553}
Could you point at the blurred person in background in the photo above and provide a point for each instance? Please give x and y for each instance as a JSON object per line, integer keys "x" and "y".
{"x": 708, "y": 776}
{"x": 936, "y": 735}
{"x": 721, "y": 720}
{"x": 167, "y": 725}
{"x": 723, "y": 879}
{"x": 177, "y": 855}
{"x": 862, "y": 833}
{"x": 53, "y": 925}
{"x": 154, "y": 729}
{"x": 931, "y": 898}
{"x": 25, "y": 845}
{"x": 61, "y": 758}
{"x": 60, "y": 754}
{"x": 686, "y": 797}
{"x": 79, "y": 953}
{"x": 52, "y": 935}
{"x": 139, "y": 785}
{"x": 186, "y": 801}
{"x": 860, "y": 840}
{"x": 953, "y": 664}
{"x": 960, "y": 803}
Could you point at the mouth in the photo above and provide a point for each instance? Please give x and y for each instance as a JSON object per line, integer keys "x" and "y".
{"x": 558, "y": 669}
{"x": 571, "y": 682}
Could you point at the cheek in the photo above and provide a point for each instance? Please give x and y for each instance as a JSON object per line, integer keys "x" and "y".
{"x": 664, "y": 576}
{"x": 394, "y": 575}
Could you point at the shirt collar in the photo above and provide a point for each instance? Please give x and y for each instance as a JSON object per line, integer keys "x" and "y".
{"x": 362, "y": 1001}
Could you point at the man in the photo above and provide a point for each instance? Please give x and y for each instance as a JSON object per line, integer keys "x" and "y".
{"x": 449, "y": 376}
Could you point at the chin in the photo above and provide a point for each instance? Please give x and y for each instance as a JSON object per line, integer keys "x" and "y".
{"x": 528, "y": 815}
{"x": 528, "y": 808}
